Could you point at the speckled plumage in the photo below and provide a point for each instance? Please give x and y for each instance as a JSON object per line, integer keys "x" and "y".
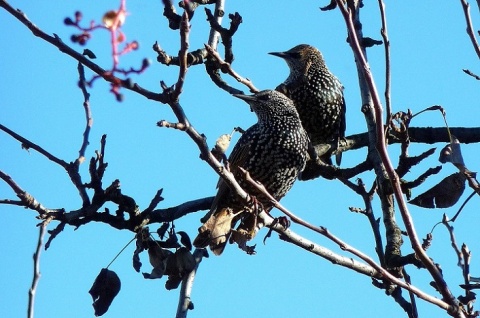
{"x": 316, "y": 92}
{"x": 273, "y": 151}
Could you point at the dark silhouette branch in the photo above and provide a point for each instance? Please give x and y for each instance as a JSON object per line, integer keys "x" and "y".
{"x": 227, "y": 68}
{"x": 27, "y": 144}
{"x": 193, "y": 58}
{"x": 26, "y": 199}
{"x": 88, "y": 113}
{"x": 182, "y": 55}
{"x": 225, "y": 34}
{"x": 359, "y": 188}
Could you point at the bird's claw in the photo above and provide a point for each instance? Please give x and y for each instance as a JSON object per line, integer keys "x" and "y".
{"x": 283, "y": 221}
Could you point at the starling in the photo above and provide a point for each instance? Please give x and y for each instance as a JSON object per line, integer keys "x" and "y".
{"x": 273, "y": 151}
{"x": 317, "y": 94}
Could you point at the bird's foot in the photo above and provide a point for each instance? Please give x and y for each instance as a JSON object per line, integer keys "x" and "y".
{"x": 241, "y": 237}
{"x": 283, "y": 221}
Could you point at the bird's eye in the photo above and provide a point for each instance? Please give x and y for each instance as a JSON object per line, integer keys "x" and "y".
{"x": 295, "y": 55}
{"x": 263, "y": 97}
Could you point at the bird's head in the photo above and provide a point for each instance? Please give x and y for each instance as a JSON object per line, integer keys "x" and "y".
{"x": 301, "y": 57}
{"x": 268, "y": 104}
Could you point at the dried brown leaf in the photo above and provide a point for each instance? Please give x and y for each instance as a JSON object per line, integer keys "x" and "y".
{"x": 452, "y": 153}
{"x": 158, "y": 259}
{"x": 104, "y": 289}
{"x": 444, "y": 194}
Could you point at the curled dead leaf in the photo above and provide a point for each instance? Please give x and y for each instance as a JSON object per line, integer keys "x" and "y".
{"x": 179, "y": 265}
{"x": 452, "y": 153}
{"x": 444, "y": 194}
{"x": 158, "y": 259}
{"x": 103, "y": 291}
{"x": 141, "y": 238}
{"x": 185, "y": 261}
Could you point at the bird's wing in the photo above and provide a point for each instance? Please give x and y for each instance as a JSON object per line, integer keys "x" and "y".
{"x": 343, "y": 121}
{"x": 238, "y": 157}
{"x": 219, "y": 221}
{"x": 341, "y": 129}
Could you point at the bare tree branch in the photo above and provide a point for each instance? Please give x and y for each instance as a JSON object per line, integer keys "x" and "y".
{"x": 88, "y": 113}
{"x": 453, "y": 306}
{"x": 185, "y": 302}
{"x": 470, "y": 31}
{"x": 36, "y": 269}
{"x": 384, "y": 274}
{"x": 386, "y": 42}
{"x": 227, "y": 68}
{"x": 218, "y": 17}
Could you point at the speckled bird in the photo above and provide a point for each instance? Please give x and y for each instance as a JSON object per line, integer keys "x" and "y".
{"x": 317, "y": 94}
{"x": 273, "y": 151}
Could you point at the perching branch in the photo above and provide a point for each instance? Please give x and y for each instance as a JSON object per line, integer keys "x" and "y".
{"x": 384, "y": 274}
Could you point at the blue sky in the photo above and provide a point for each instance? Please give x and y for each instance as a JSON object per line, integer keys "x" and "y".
{"x": 41, "y": 101}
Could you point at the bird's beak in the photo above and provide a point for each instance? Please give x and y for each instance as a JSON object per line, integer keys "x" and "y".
{"x": 279, "y": 54}
{"x": 247, "y": 98}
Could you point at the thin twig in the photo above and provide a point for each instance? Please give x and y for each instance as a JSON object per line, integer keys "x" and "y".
{"x": 71, "y": 168}
{"x": 182, "y": 55}
{"x": 462, "y": 206}
{"x": 386, "y": 42}
{"x": 36, "y": 269}
{"x": 88, "y": 113}
{"x": 291, "y": 237}
{"x": 27, "y": 144}
{"x": 475, "y": 76}
{"x": 218, "y": 16}
{"x": 453, "y": 241}
{"x": 413, "y": 302}
{"x": 470, "y": 31}
{"x": 469, "y": 295}
{"x": 227, "y": 68}
{"x": 359, "y": 188}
